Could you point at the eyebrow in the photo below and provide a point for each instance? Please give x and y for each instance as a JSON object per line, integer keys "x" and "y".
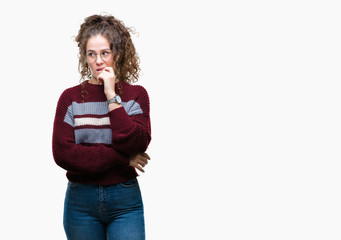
{"x": 90, "y": 50}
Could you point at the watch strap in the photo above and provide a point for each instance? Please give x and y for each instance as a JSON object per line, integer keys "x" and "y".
{"x": 115, "y": 99}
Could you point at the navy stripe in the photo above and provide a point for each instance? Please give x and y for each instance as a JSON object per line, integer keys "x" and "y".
{"x": 95, "y": 108}
{"x": 69, "y": 116}
{"x": 87, "y": 135}
{"x": 132, "y": 107}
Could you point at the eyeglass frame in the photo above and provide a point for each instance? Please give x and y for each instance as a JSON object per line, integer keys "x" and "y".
{"x": 96, "y": 55}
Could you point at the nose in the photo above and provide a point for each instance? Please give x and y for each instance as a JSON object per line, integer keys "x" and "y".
{"x": 99, "y": 59}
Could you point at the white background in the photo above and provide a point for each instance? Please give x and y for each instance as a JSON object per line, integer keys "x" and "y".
{"x": 245, "y": 110}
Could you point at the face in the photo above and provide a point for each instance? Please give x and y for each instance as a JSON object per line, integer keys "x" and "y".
{"x": 99, "y": 54}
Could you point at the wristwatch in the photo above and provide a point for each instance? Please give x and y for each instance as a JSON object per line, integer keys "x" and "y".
{"x": 116, "y": 99}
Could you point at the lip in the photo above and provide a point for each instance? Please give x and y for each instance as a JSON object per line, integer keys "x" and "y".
{"x": 100, "y": 69}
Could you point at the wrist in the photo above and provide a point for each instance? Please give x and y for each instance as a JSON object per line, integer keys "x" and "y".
{"x": 116, "y": 99}
{"x": 110, "y": 94}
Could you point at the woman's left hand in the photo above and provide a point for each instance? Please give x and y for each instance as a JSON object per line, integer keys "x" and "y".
{"x": 139, "y": 161}
{"x": 108, "y": 78}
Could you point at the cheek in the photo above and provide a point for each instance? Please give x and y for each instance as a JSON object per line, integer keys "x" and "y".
{"x": 112, "y": 64}
{"x": 92, "y": 69}
{"x": 90, "y": 66}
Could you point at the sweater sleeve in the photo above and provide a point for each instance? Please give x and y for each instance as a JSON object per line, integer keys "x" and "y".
{"x": 77, "y": 158}
{"x": 131, "y": 132}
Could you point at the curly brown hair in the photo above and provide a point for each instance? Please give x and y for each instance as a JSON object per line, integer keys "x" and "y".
{"x": 126, "y": 60}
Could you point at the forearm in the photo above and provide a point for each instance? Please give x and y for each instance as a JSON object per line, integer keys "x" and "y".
{"x": 83, "y": 158}
{"x": 130, "y": 125}
{"x": 88, "y": 160}
{"x": 130, "y": 135}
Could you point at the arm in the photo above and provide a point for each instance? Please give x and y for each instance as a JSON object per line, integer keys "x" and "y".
{"x": 75, "y": 157}
{"x": 132, "y": 134}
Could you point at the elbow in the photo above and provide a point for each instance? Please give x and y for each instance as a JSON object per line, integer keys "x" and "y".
{"x": 60, "y": 159}
{"x": 134, "y": 147}
{"x": 142, "y": 147}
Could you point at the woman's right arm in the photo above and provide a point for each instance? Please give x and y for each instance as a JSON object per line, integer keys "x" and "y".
{"x": 76, "y": 157}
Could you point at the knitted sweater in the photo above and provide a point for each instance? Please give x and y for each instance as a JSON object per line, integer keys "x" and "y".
{"x": 93, "y": 144}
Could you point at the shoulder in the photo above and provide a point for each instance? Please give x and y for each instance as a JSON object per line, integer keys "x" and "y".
{"x": 133, "y": 87}
{"x": 70, "y": 94}
{"x": 72, "y": 91}
{"x": 136, "y": 95}
{"x": 134, "y": 90}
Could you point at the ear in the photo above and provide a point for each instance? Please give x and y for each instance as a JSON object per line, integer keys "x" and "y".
{"x": 117, "y": 56}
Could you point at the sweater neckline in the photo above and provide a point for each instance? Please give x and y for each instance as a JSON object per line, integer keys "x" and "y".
{"x": 93, "y": 86}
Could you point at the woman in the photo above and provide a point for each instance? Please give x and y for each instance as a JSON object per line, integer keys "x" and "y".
{"x": 101, "y": 131}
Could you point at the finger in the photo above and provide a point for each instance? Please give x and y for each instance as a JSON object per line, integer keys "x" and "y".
{"x": 143, "y": 160}
{"x": 142, "y": 163}
{"x": 110, "y": 70}
{"x": 100, "y": 77}
{"x": 145, "y": 155}
{"x": 139, "y": 168}
{"x": 108, "y": 74}
{"x": 140, "y": 157}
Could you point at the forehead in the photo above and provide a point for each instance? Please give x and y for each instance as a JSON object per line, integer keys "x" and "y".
{"x": 97, "y": 42}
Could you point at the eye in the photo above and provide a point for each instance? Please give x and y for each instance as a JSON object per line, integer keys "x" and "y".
{"x": 105, "y": 53}
{"x": 91, "y": 54}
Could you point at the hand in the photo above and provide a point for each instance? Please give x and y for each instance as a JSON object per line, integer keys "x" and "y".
{"x": 139, "y": 161}
{"x": 108, "y": 78}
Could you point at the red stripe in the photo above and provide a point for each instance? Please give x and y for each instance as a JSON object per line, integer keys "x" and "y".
{"x": 91, "y": 116}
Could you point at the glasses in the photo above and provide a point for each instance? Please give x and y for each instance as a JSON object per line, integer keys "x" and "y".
{"x": 105, "y": 56}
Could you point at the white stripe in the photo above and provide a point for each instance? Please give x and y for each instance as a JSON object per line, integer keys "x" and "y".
{"x": 92, "y": 121}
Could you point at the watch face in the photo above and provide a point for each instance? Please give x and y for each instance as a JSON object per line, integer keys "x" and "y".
{"x": 118, "y": 99}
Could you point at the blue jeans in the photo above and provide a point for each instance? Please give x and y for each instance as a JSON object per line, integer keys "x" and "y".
{"x": 98, "y": 212}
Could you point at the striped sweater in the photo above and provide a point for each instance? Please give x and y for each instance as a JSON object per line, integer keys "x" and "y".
{"x": 93, "y": 144}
